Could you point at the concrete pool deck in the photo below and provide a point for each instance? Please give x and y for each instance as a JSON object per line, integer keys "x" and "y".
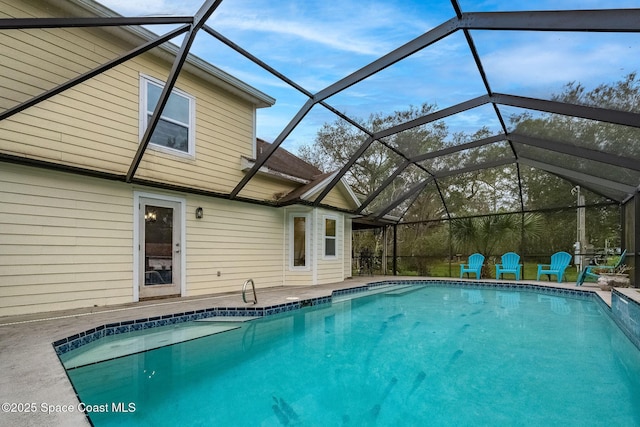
{"x": 34, "y": 380}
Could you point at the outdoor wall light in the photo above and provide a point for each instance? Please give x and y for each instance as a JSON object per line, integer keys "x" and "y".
{"x": 199, "y": 213}
{"x": 150, "y": 216}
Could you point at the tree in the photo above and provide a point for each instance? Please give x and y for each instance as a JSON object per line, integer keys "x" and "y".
{"x": 494, "y": 190}
{"x": 337, "y": 141}
{"x": 494, "y": 234}
{"x": 543, "y": 190}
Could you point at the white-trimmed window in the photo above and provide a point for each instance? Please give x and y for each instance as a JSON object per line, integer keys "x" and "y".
{"x": 175, "y": 131}
{"x": 299, "y": 245}
{"x": 330, "y": 237}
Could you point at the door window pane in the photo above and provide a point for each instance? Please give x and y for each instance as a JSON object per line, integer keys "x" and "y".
{"x": 158, "y": 245}
{"x": 299, "y": 241}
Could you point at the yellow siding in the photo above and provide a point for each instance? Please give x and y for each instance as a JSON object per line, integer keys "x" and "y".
{"x": 340, "y": 198}
{"x": 95, "y": 124}
{"x": 65, "y": 241}
{"x": 329, "y": 269}
{"x": 262, "y": 187}
{"x": 240, "y": 240}
{"x": 298, "y": 278}
{"x": 32, "y": 69}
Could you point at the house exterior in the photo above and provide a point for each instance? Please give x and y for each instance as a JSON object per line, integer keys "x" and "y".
{"x": 74, "y": 232}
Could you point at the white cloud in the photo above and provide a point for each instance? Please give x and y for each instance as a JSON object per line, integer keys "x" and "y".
{"x": 153, "y": 7}
{"x": 330, "y": 35}
{"x": 346, "y": 26}
{"x": 555, "y": 61}
{"x": 338, "y": 25}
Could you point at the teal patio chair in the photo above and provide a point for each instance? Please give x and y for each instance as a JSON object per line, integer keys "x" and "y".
{"x": 510, "y": 264}
{"x": 589, "y": 270}
{"x": 559, "y": 263}
{"x": 475, "y": 265}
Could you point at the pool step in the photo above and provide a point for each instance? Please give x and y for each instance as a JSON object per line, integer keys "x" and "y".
{"x": 227, "y": 319}
{"x": 403, "y": 290}
{"x": 125, "y": 344}
{"x": 371, "y": 291}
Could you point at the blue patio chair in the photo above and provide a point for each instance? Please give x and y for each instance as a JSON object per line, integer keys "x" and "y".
{"x": 475, "y": 265}
{"x": 588, "y": 271}
{"x": 510, "y": 264}
{"x": 559, "y": 263}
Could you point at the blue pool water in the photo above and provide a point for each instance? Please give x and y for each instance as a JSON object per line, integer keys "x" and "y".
{"x": 408, "y": 357}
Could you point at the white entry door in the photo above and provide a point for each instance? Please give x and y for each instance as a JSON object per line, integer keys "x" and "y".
{"x": 160, "y": 232}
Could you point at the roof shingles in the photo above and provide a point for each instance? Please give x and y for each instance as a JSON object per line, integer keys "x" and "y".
{"x": 284, "y": 162}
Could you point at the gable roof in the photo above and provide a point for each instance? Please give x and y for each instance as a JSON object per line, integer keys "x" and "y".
{"x": 311, "y": 190}
{"x": 300, "y": 192}
{"x": 310, "y": 180}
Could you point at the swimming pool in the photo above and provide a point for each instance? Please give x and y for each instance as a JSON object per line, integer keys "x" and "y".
{"x": 406, "y": 355}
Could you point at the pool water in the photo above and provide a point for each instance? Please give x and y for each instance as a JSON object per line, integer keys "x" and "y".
{"x": 413, "y": 356}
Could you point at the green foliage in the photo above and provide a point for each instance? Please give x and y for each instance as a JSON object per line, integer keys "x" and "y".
{"x": 492, "y": 235}
{"x": 616, "y": 139}
{"x": 336, "y": 142}
{"x": 370, "y": 239}
{"x": 491, "y": 190}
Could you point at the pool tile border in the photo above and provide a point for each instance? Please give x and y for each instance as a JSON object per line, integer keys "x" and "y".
{"x": 626, "y": 314}
{"x": 78, "y": 340}
{"x": 460, "y": 283}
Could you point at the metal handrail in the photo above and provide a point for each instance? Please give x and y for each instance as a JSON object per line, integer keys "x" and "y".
{"x": 247, "y": 341}
{"x": 244, "y": 291}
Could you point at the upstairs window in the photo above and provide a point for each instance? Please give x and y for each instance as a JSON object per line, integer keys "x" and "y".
{"x": 175, "y": 131}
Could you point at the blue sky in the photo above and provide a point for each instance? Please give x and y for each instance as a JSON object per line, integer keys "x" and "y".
{"x": 316, "y": 43}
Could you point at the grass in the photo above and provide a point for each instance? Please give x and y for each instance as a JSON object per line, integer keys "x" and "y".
{"x": 530, "y": 271}
{"x": 438, "y": 267}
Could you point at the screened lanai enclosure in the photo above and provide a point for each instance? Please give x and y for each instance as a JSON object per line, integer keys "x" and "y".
{"x": 461, "y": 126}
